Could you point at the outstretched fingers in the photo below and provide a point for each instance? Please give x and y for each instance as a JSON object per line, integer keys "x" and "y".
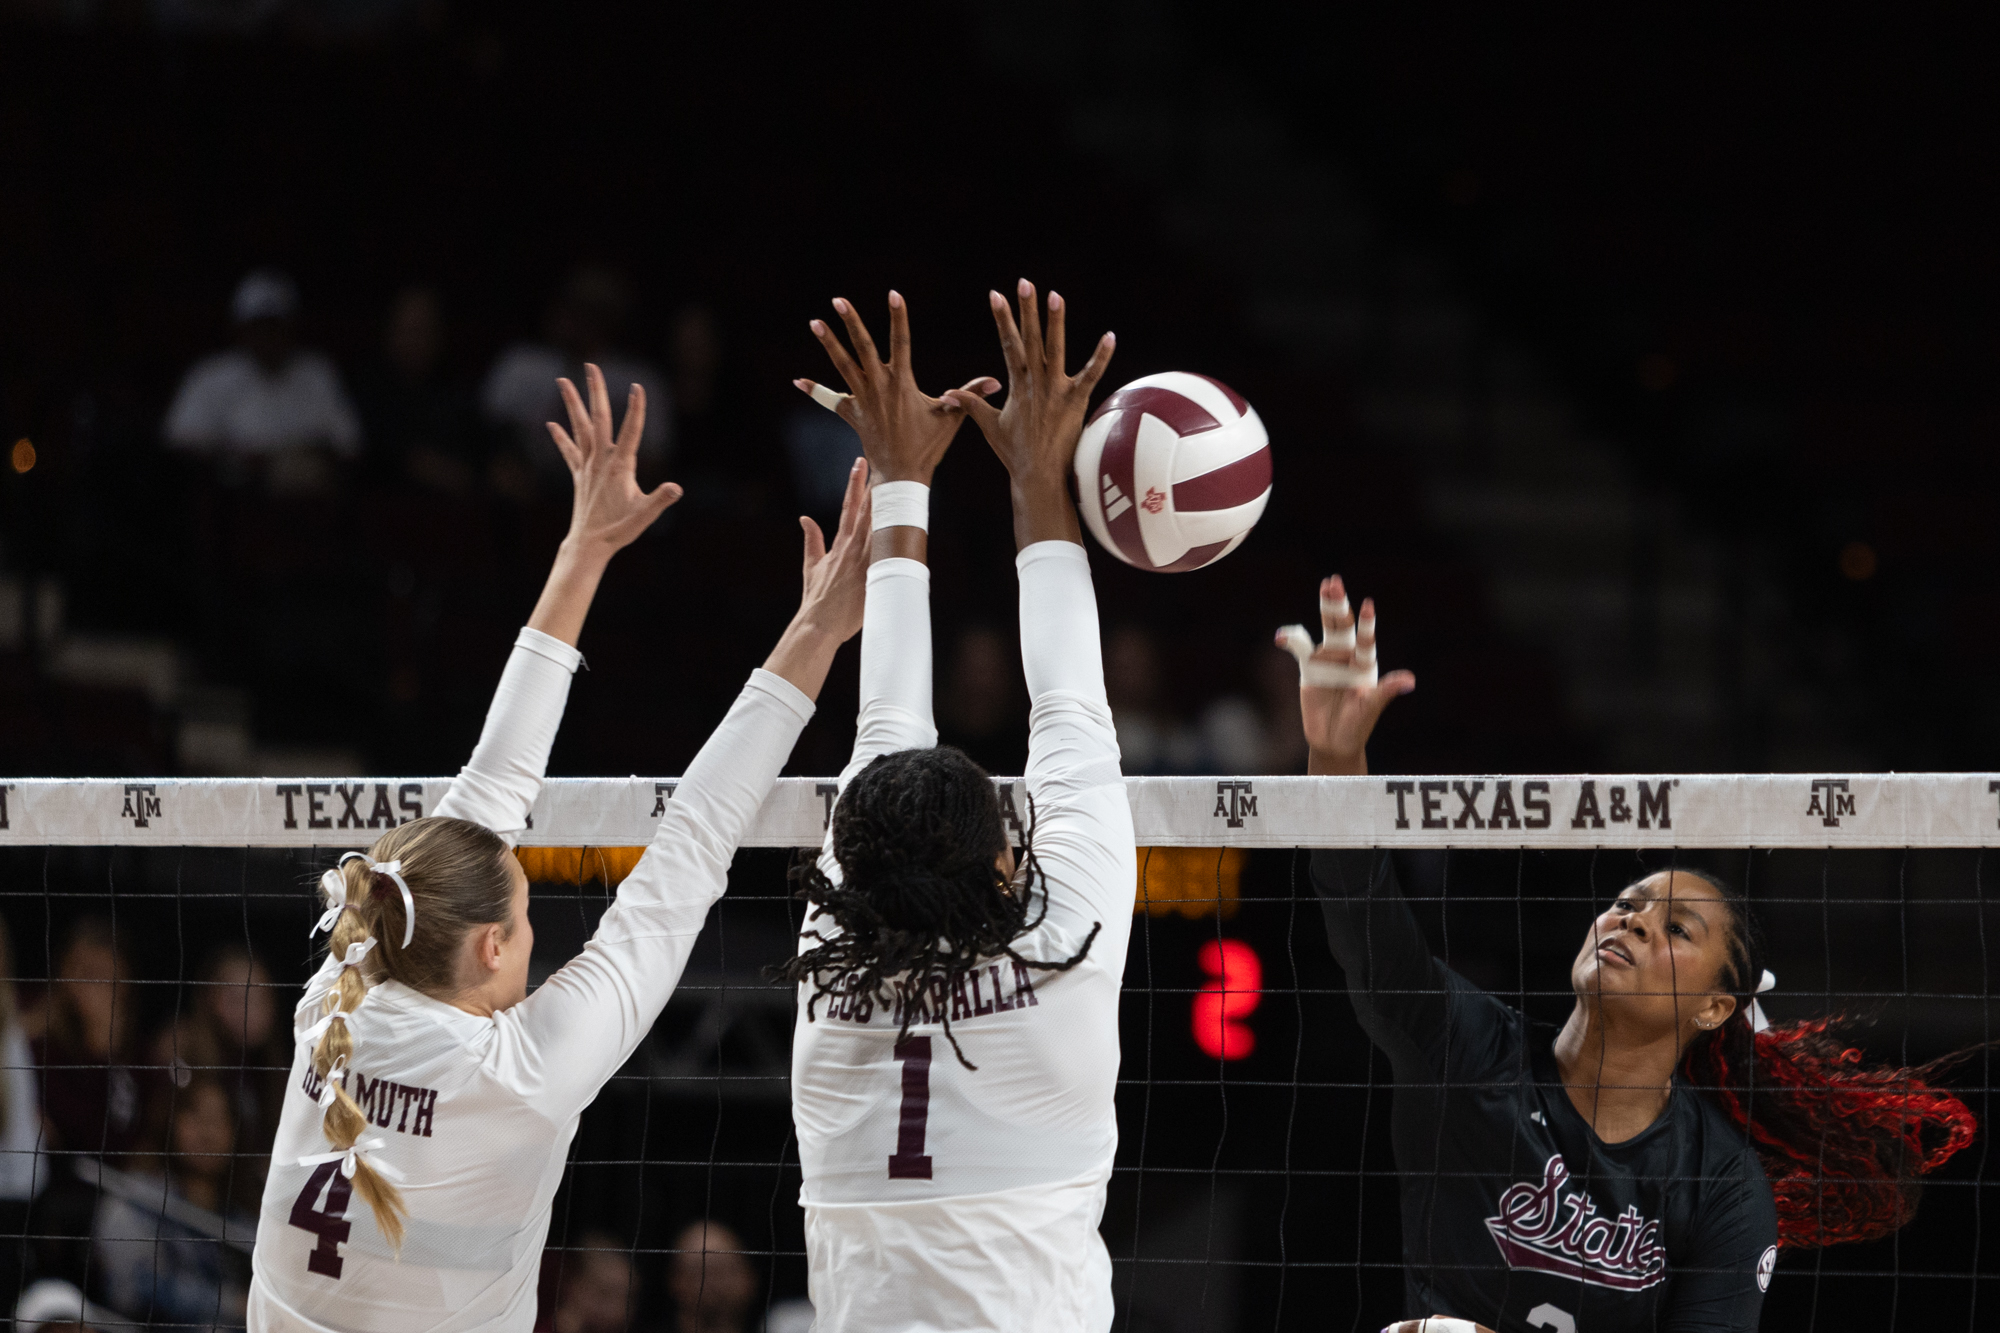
{"x": 1031, "y": 324}
{"x": 843, "y": 364}
{"x": 899, "y": 334}
{"x": 1053, "y": 338}
{"x": 634, "y": 427}
{"x": 1100, "y": 361}
{"x": 857, "y": 332}
{"x": 565, "y": 446}
{"x": 1011, "y": 346}
{"x": 581, "y": 429}
{"x": 600, "y": 403}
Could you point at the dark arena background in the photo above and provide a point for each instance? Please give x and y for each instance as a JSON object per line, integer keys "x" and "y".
{"x": 1645, "y": 369}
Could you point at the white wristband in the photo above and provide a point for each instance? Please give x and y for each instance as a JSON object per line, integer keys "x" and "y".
{"x": 902, "y": 504}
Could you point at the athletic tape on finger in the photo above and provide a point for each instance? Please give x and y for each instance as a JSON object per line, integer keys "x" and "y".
{"x": 902, "y": 504}
{"x": 1325, "y": 675}
{"x": 1335, "y": 638}
{"x": 830, "y": 399}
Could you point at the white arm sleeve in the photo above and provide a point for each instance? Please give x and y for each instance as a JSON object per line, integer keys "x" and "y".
{"x": 895, "y": 664}
{"x": 498, "y": 786}
{"x": 895, "y": 676}
{"x": 1083, "y": 823}
{"x": 584, "y": 1023}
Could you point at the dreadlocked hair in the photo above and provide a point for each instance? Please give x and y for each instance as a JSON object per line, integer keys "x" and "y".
{"x": 921, "y": 902}
{"x": 1843, "y": 1142}
{"x": 458, "y": 880}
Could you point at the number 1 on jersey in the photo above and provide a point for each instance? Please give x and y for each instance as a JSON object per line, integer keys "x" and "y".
{"x": 909, "y": 1161}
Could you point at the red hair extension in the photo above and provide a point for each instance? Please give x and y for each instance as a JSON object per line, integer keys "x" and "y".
{"x": 1842, "y": 1142}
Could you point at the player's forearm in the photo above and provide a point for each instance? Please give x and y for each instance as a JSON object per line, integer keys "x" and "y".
{"x": 804, "y": 654}
{"x": 572, "y": 585}
{"x": 1060, "y": 649}
{"x": 498, "y": 785}
{"x": 1043, "y": 511}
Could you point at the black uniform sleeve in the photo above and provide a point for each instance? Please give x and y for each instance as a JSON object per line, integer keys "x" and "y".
{"x": 1406, "y": 999}
{"x": 1716, "y": 1289}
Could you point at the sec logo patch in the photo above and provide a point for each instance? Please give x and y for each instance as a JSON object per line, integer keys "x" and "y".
{"x": 1767, "y": 1263}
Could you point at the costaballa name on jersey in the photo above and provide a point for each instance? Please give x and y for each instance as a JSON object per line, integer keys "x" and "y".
{"x": 996, "y": 988}
{"x": 1551, "y": 1227}
{"x": 388, "y": 1105}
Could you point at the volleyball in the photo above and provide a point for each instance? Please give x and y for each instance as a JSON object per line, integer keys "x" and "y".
{"x": 1173, "y": 471}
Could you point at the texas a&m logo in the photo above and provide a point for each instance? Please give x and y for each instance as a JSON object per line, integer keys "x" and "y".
{"x": 662, "y": 793}
{"x": 1155, "y": 501}
{"x": 1234, "y": 803}
{"x": 1441, "y": 804}
{"x": 1551, "y": 1228}
{"x": 142, "y": 804}
{"x": 1830, "y": 800}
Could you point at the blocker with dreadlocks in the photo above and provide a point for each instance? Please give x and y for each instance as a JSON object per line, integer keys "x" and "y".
{"x": 921, "y": 840}
{"x": 965, "y": 1192}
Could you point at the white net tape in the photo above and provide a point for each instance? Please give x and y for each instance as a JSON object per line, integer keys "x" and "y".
{"x": 1617, "y": 810}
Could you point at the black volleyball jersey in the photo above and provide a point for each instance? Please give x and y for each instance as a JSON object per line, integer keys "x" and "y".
{"x": 1515, "y": 1214}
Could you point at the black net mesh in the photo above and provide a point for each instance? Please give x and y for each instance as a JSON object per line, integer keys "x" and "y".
{"x": 1256, "y": 1184}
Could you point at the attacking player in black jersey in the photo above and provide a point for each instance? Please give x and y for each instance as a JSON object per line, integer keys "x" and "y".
{"x": 1639, "y": 1167}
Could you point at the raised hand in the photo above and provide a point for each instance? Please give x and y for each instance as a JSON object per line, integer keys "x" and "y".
{"x": 1035, "y": 433}
{"x": 835, "y": 591}
{"x": 835, "y": 579}
{"x": 1339, "y": 697}
{"x": 608, "y": 509}
{"x": 904, "y": 432}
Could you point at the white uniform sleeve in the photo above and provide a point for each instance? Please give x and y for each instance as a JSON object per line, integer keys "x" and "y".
{"x": 574, "y": 1033}
{"x": 497, "y": 788}
{"x": 895, "y": 664}
{"x": 895, "y": 677}
{"x": 1083, "y": 822}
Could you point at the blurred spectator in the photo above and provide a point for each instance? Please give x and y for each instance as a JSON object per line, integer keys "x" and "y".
{"x": 231, "y": 1036}
{"x": 1151, "y": 740}
{"x": 267, "y": 404}
{"x": 585, "y": 324}
{"x": 24, "y": 1170}
{"x": 982, "y": 709}
{"x": 713, "y": 1286}
{"x": 725, "y": 461}
{"x": 159, "y": 1248}
{"x": 421, "y": 427}
{"x": 79, "y": 1037}
{"x": 1239, "y": 736}
{"x": 588, "y": 1287}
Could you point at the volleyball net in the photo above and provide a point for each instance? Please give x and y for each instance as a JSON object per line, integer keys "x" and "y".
{"x": 159, "y": 936}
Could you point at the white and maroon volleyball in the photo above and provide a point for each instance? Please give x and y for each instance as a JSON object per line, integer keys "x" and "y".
{"x": 1173, "y": 471}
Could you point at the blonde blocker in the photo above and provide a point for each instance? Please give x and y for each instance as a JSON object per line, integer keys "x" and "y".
{"x": 457, "y": 875}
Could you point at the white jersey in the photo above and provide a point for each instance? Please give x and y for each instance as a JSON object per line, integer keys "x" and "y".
{"x": 944, "y": 1198}
{"x": 476, "y": 1113}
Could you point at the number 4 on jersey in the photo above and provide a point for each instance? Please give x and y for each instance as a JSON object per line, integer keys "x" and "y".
{"x": 909, "y": 1161}
{"x": 331, "y": 1226}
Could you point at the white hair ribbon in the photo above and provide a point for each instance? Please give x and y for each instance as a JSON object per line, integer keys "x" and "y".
{"x": 1363, "y": 673}
{"x": 357, "y": 951}
{"x": 335, "y": 1077}
{"x": 351, "y": 1157}
{"x": 1757, "y": 1020}
{"x": 313, "y": 1033}
{"x": 394, "y": 870}
{"x": 334, "y": 885}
